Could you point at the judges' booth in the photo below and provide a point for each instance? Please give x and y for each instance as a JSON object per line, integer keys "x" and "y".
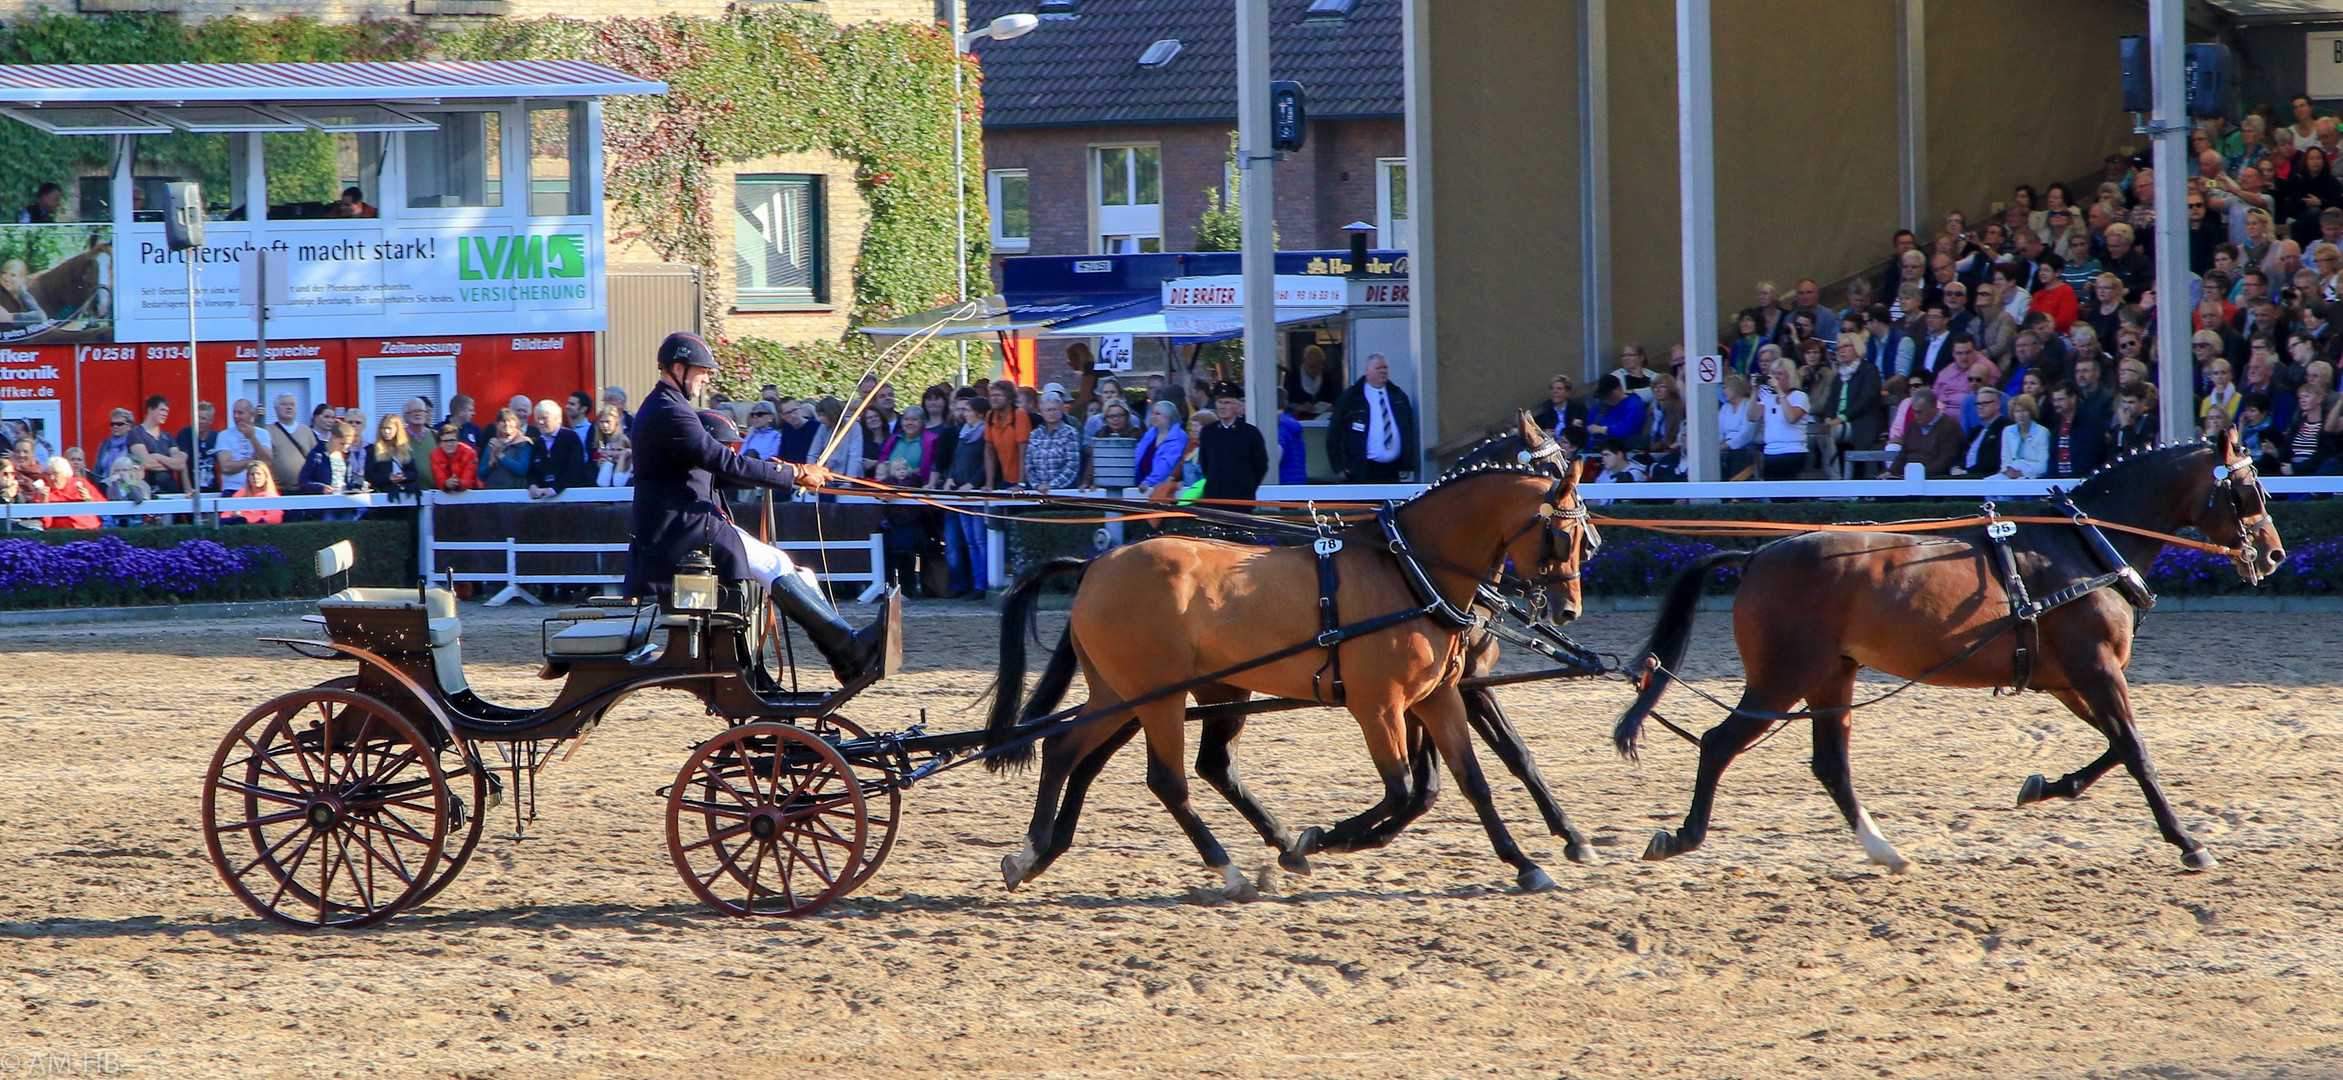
{"x": 440, "y": 224}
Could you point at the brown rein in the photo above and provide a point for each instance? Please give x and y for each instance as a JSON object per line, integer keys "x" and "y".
{"x": 1678, "y": 526}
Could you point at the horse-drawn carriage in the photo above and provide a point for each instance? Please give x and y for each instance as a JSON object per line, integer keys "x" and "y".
{"x": 344, "y": 803}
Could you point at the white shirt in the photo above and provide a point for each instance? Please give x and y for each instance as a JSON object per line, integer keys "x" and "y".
{"x": 238, "y": 448}
{"x": 1734, "y": 431}
{"x": 1782, "y": 435}
{"x": 1382, "y": 429}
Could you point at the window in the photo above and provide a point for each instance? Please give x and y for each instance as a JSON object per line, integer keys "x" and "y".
{"x": 386, "y": 383}
{"x": 461, "y": 164}
{"x": 1012, "y": 223}
{"x": 1129, "y": 209}
{"x": 777, "y": 239}
{"x": 309, "y": 171}
{"x": 558, "y": 186}
{"x": 1160, "y": 53}
{"x": 1393, "y": 230}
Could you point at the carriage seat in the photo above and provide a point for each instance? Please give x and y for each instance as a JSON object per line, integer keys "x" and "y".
{"x": 445, "y": 627}
{"x": 443, "y": 630}
{"x": 602, "y": 632}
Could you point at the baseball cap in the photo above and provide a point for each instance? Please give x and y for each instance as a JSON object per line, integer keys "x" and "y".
{"x": 1056, "y": 388}
{"x": 684, "y": 348}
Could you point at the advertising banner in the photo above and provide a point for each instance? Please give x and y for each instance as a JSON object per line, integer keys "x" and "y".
{"x": 56, "y": 284}
{"x": 350, "y": 278}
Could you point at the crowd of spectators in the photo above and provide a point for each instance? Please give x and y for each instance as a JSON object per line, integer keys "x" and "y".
{"x": 1172, "y": 441}
{"x": 580, "y": 442}
{"x": 2024, "y": 345}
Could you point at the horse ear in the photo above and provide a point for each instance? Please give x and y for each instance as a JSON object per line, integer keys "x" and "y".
{"x": 1532, "y": 435}
{"x": 2228, "y": 446}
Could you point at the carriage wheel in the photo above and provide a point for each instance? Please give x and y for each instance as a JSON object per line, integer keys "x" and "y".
{"x": 325, "y": 808}
{"x": 879, "y": 793}
{"x": 780, "y": 820}
{"x": 470, "y": 810}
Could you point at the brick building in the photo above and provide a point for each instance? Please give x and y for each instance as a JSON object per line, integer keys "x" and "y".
{"x": 1105, "y": 128}
{"x": 438, "y": 10}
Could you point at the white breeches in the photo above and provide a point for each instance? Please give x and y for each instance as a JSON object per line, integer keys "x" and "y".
{"x": 766, "y": 562}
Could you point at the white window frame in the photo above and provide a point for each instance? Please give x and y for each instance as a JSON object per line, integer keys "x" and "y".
{"x": 1393, "y": 231}
{"x": 512, "y": 155}
{"x": 244, "y": 377}
{"x": 992, "y": 202}
{"x": 818, "y": 184}
{"x": 373, "y": 368}
{"x": 1137, "y": 221}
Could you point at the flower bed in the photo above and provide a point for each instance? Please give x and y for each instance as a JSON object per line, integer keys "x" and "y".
{"x": 110, "y": 571}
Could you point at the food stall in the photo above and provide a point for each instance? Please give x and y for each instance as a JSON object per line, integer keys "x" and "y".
{"x": 440, "y": 225}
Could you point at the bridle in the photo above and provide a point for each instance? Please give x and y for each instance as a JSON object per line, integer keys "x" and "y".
{"x": 2234, "y": 479}
{"x": 1557, "y": 519}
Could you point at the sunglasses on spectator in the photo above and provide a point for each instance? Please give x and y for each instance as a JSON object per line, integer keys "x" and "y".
{"x": 119, "y": 423}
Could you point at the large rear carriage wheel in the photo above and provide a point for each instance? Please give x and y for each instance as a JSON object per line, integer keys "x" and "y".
{"x": 326, "y": 808}
{"x": 476, "y": 790}
{"x": 776, "y": 820}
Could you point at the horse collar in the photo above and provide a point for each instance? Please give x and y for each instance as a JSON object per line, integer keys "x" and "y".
{"x": 1419, "y": 580}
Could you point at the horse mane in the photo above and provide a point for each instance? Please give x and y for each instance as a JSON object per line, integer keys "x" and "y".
{"x": 2104, "y": 480}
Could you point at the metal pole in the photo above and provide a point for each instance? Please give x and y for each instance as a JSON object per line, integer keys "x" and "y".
{"x": 1696, "y": 160}
{"x": 260, "y": 343}
{"x": 194, "y": 402}
{"x": 1912, "y": 114}
{"x": 1258, "y": 210}
{"x": 2167, "y": 38}
{"x": 1594, "y": 163}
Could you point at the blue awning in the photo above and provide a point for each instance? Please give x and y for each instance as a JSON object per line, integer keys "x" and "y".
{"x": 1179, "y": 326}
{"x": 1026, "y": 314}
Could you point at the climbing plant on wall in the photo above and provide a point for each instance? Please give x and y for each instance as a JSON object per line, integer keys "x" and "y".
{"x": 29, "y": 157}
{"x": 769, "y": 81}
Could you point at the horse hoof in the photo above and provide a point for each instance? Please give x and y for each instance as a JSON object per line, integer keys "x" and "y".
{"x": 2200, "y": 859}
{"x": 2033, "y": 791}
{"x": 1311, "y": 842}
{"x": 1577, "y": 852}
{"x": 1235, "y": 888}
{"x": 1294, "y": 862}
{"x": 1015, "y": 868}
{"x": 1898, "y": 866}
{"x": 1534, "y": 880}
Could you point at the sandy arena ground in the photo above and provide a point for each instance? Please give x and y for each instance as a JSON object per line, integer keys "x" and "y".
{"x": 2062, "y": 940}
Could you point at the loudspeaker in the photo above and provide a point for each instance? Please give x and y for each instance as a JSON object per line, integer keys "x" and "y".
{"x": 2210, "y": 74}
{"x": 182, "y": 215}
{"x": 1289, "y": 115}
{"x": 2138, "y": 96}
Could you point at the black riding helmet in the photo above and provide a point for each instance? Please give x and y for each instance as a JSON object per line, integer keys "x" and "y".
{"x": 720, "y": 427}
{"x": 685, "y": 348}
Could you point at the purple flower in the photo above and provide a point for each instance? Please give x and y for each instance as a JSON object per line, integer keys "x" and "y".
{"x": 113, "y": 568}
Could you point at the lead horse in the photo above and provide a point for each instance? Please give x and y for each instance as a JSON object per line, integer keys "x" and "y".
{"x": 1173, "y": 610}
{"x": 1812, "y": 610}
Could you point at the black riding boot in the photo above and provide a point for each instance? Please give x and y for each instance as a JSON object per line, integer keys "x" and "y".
{"x": 851, "y": 653}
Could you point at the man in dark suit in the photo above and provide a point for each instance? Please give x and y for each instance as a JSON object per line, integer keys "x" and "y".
{"x": 2077, "y": 446}
{"x": 1232, "y": 454}
{"x": 1372, "y": 436}
{"x": 1983, "y": 457}
{"x": 677, "y": 465}
{"x": 559, "y": 460}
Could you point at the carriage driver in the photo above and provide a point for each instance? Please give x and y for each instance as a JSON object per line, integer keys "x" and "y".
{"x": 677, "y": 464}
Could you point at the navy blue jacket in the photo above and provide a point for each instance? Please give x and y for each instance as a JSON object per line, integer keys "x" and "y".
{"x": 677, "y": 465}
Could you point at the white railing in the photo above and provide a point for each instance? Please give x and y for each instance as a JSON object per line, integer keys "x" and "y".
{"x": 428, "y": 546}
{"x": 213, "y": 505}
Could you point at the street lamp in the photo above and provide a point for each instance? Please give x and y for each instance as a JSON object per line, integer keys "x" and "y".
{"x": 1008, "y": 26}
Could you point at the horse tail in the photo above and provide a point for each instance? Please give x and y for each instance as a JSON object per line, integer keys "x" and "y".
{"x": 1018, "y": 612}
{"x": 1669, "y": 638}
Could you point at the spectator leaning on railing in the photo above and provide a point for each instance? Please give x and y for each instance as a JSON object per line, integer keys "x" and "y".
{"x": 65, "y": 485}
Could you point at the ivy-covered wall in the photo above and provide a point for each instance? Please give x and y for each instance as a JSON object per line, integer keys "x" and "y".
{"x": 747, "y": 84}
{"x": 778, "y": 80}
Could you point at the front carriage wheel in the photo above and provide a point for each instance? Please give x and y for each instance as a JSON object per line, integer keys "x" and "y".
{"x": 325, "y": 808}
{"x": 777, "y": 819}
{"x": 878, "y": 792}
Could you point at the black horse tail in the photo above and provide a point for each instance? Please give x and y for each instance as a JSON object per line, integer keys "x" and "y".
{"x": 1017, "y": 617}
{"x": 1669, "y": 638}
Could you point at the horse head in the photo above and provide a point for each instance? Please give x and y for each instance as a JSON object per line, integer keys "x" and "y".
{"x": 2232, "y": 509}
{"x": 1549, "y": 550}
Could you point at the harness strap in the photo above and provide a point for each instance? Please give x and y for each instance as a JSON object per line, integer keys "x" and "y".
{"x": 2127, "y": 578}
{"x": 1329, "y": 624}
{"x": 2026, "y": 632}
{"x": 1419, "y": 580}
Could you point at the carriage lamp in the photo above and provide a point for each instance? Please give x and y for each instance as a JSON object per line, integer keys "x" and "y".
{"x": 695, "y": 584}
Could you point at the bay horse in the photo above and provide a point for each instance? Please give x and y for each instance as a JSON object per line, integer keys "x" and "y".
{"x": 1813, "y": 609}
{"x": 1172, "y": 609}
